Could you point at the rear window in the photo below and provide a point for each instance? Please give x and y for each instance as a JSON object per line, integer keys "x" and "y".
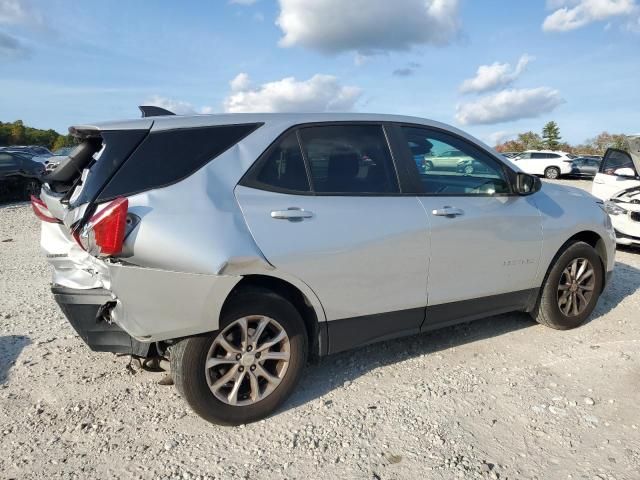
{"x": 284, "y": 167}
{"x": 166, "y": 157}
{"x": 616, "y": 159}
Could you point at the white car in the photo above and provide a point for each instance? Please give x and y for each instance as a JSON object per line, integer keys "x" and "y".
{"x": 618, "y": 185}
{"x": 549, "y": 163}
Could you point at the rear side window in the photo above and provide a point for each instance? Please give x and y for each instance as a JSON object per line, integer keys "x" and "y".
{"x": 283, "y": 168}
{"x": 167, "y": 157}
{"x": 349, "y": 159}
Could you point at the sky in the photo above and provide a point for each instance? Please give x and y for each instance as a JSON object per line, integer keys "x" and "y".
{"x": 490, "y": 67}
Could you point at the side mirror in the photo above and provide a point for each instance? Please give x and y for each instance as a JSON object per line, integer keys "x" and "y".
{"x": 527, "y": 184}
{"x": 625, "y": 172}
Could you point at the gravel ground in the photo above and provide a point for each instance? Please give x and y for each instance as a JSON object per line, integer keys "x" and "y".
{"x": 498, "y": 398}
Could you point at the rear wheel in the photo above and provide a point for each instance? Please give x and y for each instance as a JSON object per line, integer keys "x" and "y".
{"x": 428, "y": 165}
{"x": 571, "y": 289}
{"x": 552, "y": 172}
{"x": 245, "y": 370}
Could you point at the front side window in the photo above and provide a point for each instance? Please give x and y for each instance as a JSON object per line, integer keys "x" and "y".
{"x": 468, "y": 171}
{"x": 348, "y": 159}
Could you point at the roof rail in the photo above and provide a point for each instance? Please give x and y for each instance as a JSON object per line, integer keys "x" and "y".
{"x": 153, "y": 111}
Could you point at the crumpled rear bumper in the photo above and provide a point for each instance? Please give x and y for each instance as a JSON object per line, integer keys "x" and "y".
{"x": 82, "y": 307}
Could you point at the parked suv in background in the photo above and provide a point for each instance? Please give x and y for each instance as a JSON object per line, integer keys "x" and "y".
{"x": 549, "y": 163}
{"x": 240, "y": 245}
{"x": 618, "y": 185}
{"x": 19, "y": 174}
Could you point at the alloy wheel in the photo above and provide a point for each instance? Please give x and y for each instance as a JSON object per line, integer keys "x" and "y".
{"x": 576, "y": 286}
{"x": 247, "y": 360}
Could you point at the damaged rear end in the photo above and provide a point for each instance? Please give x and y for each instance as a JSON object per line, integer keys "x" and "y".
{"x": 82, "y": 234}
{"x": 139, "y": 215}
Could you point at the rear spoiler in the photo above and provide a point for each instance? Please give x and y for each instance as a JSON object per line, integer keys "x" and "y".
{"x": 153, "y": 111}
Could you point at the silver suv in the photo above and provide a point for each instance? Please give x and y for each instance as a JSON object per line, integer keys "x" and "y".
{"x": 242, "y": 245}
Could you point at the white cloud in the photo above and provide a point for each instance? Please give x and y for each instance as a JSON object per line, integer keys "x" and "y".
{"x": 240, "y": 83}
{"x": 498, "y": 137}
{"x": 367, "y": 26}
{"x": 18, "y": 12}
{"x": 573, "y": 14}
{"x": 509, "y": 105}
{"x": 496, "y": 75}
{"x": 320, "y": 93}
{"x": 178, "y": 107}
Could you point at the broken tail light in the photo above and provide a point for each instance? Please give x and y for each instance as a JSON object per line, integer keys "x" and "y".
{"x": 41, "y": 210}
{"x": 103, "y": 234}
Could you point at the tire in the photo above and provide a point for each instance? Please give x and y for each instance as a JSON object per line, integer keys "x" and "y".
{"x": 32, "y": 187}
{"x": 428, "y": 165}
{"x": 468, "y": 169}
{"x": 552, "y": 172}
{"x": 548, "y": 310}
{"x": 189, "y": 356}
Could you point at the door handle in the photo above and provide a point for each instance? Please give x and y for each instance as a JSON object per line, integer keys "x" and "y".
{"x": 292, "y": 213}
{"x": 447, "y": 211}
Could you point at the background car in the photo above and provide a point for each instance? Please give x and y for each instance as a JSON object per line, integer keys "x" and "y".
{"x": 19, "y": 175}
{"x": 511, "y": 154}
{"x": 32, "y": 150}
{"x": 551, "y": 164}
{"x": 51, "y": 161}
{"x": 584, "y": 167}
{"x": 618, "y": 185}
{"x": 445, "y": 160}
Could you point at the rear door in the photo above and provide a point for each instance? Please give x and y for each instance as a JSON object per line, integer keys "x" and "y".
{"x": 325, "y": 206}
{"x": 485, "y": 240}
{"x": 617, "y": 172}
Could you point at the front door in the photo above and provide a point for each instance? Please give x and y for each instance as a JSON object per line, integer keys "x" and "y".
{"x": 485, "y": 240}
{"x": 335, "y": 219}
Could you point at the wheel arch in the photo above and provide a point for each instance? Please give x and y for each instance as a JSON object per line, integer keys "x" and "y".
{"x": 591, "y": 238}
{"x": 301, "y": 297}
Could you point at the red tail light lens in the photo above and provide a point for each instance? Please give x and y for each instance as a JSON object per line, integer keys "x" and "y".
{"x": 103, "y": 235}
{"x": 41, "y": 211}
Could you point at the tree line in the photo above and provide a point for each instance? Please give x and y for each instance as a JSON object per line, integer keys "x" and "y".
{"x": 17, "y": 133}
{"x": 550, "y": 139}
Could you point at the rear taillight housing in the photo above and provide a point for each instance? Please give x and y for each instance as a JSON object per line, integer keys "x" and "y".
{"x": 41, "y": 210}
{"x": 103, "y": 234}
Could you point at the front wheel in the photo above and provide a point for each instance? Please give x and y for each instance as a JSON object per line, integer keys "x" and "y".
{"x": 248, "y": 368}
{"x": 572, "y": 288}
{"x": 552, "y": 173}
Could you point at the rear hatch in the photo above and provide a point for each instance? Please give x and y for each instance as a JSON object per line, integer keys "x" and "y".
{"x": 68, "y": 197}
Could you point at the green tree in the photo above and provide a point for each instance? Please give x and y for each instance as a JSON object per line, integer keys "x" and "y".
{"x": 530, "y": 141}
{"x": 551, "y": 135}
{"x": 17, "y": 132}
{"x": 63, "y": 141}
